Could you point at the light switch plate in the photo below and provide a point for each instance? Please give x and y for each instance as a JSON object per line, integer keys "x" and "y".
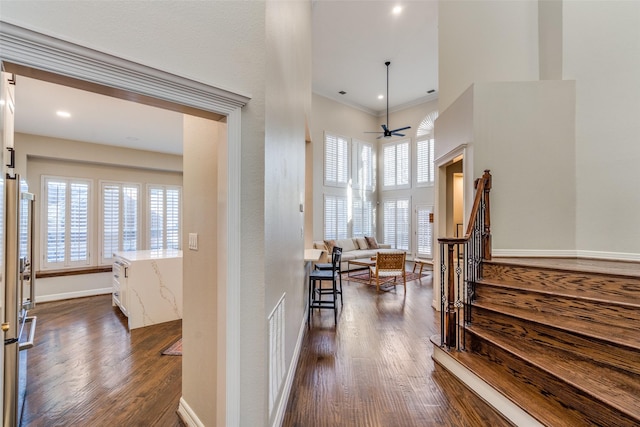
{"x": 193, "y": 241}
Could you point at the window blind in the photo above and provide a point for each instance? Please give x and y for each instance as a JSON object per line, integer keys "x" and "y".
{"x": 396, "y": 223}
{"x": 335, "y": 217}
{"x": 424, "y": 232}
{"x": 336, "y": 160}
{"x": 396, "y": 164}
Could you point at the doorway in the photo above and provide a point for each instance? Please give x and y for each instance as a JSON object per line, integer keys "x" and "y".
{"x": 29, "y": 52}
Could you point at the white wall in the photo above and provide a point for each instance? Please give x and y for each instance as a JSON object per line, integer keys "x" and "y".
{"x": 602, "y": 54}
{"x": 484, "y": 41}
{"x": 524, "y": 134}
{"x": 288, "y": 103}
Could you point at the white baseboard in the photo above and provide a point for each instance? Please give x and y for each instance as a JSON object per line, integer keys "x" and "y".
{"x": 284, "y": 399}
{"x": 569, "y": 253}
{"x": 69, "y": 295}
{"x": 499, "y": 402}
{"x": 187, "y": 415}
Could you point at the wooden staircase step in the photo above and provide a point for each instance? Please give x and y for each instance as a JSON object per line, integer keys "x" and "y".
{"x": 549, "y": 336}
{"x": 617, "y": 389}
{"x": 549, "y": 412}
{"x": 545, "y": 396}
{"x": 616, "y": 287}
{"x": 624, "y": 317}
{"x": 621, "y": 336}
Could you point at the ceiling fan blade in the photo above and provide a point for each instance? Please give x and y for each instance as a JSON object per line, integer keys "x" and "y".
{"x": 385, "y": 128}
{"x": 399, "y": 129}
{"x": 373, "y": 132}
{"x": 380, "y": 137}
{"x": 397, "y": 134}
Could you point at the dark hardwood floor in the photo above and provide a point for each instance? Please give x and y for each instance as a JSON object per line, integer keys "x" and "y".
{"x": 86, "y": 369}
{"x": 375, "y": 368}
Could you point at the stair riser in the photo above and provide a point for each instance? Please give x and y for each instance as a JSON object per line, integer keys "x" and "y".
{"x": 576, "y": 403}
{"x": 547, "y": 337}
{"x": 592, "y": 311}
{"x": 624, "y": 288}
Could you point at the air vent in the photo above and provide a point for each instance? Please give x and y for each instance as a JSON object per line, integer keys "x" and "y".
{"x": 342, "y": 92}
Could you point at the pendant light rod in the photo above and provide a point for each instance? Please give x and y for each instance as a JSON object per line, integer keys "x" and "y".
{"x": 387, "y": 64}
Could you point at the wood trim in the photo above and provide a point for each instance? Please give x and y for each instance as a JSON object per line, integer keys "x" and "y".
{"x": 72, "y": 272}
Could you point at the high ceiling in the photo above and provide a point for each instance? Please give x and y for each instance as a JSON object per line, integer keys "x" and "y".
{"x": 352, "y": 40}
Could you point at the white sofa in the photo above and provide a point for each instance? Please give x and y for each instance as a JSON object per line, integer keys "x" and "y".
{"x": 352, "y": 248}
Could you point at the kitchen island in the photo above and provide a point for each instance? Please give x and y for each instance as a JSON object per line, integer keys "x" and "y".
{"x": 147, "y": 286}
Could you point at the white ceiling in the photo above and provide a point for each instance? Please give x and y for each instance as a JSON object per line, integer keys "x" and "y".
{"x": 351, "y": 42}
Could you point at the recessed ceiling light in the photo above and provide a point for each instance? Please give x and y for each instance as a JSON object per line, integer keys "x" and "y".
{"x": 380, "y": 96}
{"x": 397, "y": 10}
{"x": 63, "y": 114}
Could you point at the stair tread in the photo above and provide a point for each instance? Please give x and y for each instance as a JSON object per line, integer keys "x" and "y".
{"x": 585, "y": 295}
{"x": 628, "y": 337}
{"x": 618, "y": 389}
{"x": 585, "y": 265}
{"x": 604, "y": 352}
{"x": 546, "y": 411}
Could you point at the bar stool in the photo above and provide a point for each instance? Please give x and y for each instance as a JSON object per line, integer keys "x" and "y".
{"x": 329, "y": 266}
{"x": 316, "y": 291}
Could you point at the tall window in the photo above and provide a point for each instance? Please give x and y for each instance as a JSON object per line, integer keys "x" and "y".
{"x": 336, "y": 160}
{"x": 120, "y": 207}
{"x": 362, "y": 165}
{"x": 66, "y": 209}
{"x": 396, "y": 223}
{"x": 396, "y": 165}
{"x": 425, "y": 150}
{"x": 164, "y": 217}
{"x": 362, "y": 218}
{"x": 335, "y": 217}
{"x": 424, "y": 216}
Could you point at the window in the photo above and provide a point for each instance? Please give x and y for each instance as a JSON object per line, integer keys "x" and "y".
{"x": 336, "y": 161}
{"x": 164, "y": 217}
{"x": 362, "y": 218}
{"x": 424, "y": 223}
{"x": 396, "y": 165}
{"x": 362, "y": 165}
{"x": 396, "y": 223}
{"x": 66, "y": 209}
{"x": 425, "y": 150}
{"x": 120, "y": 207}
{"x": 335, "y": 217}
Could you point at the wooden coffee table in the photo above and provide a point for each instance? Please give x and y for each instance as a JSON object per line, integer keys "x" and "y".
{"x": 363, "y": 262}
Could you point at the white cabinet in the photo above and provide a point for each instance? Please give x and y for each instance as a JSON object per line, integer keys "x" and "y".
{"x": 147, "y": 286}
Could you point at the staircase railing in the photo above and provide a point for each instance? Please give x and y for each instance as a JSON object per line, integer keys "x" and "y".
{"x": 460, "y": 266}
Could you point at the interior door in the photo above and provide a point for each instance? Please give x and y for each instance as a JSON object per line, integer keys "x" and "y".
{"x": 7, "y": 110}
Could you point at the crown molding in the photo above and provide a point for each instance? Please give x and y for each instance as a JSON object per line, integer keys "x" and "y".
{"x": 28, "y": 48}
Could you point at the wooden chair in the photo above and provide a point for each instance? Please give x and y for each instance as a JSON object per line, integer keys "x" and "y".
{"x": 389, "y": 264}
{"x": 329, "y": 266}
{"x": 316, "y": 291}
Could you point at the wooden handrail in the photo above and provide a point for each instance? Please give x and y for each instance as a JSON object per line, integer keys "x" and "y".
{"x": 483, "y": 187}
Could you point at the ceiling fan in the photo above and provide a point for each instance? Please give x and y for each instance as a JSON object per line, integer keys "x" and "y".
{"x": 388, "y": 133}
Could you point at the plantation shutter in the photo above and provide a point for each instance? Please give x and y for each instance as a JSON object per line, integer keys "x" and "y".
{"x": 56, "y": 220}
{"x": 424, "y": 232}
{"x": 336, "y": 158}
{"x": 130, "y": 233}
{"x": 396, "y": 164}
{"x": 173, "y": 219}
{"x": 156, "y": 218}
{"x": 79, "y": 222}
{"x": 110, "y": 220}
{"x": 335, "y": 217}
{"x": 396, "y": 223}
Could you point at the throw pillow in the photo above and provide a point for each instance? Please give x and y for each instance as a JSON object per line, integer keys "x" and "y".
{"x": 362, "y": 243}
{"x": 372, "y": 243}
{"x": 329, "y": 244}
